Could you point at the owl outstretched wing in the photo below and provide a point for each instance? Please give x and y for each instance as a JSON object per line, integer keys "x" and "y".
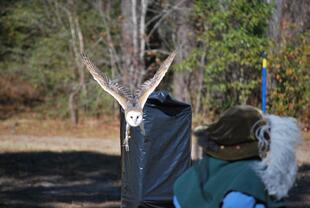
{"x": 150, "y": 85}
{"x": 119, "y": 92}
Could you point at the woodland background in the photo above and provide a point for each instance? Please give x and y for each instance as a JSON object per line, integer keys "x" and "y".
{"x": 59, "y": 131}
{"x": 218, "y": 64}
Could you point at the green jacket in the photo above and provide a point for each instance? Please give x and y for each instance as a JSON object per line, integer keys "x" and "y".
{"x": 209, "y": 180}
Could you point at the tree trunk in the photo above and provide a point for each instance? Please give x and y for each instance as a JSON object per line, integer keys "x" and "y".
{"x": 288, "y": 19}
{"x": 133, "y": 42}
{"x": 185, "y": 43}
{"x": 77, "y": 44}
{"x": 73, "y": 106}
{"x": 295, "y": 18}
{"x": 274, "y": 24}
{"x": 200, "y": 85}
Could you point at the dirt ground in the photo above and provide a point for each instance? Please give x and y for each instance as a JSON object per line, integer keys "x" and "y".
{"x": 67, "y": 171}
{"x": 74, "y": 166}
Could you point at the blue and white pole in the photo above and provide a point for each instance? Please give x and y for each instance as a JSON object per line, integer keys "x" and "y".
{"x": 264, "y": 84}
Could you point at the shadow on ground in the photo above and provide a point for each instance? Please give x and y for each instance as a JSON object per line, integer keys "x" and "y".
{"x": 40, "y": 179}
{"x": 300, "y": 193}
{"x": 81, "y": 179}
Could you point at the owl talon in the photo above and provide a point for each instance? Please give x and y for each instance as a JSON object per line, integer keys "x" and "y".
{"x": 142, "y": 128}
{"x": 127, "y": 148}
{"x": 127, "y": 137}
{"x": 126, "y": 145}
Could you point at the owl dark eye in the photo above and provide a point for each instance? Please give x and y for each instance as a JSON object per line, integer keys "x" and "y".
{"x": 137, "y": 116}
{"x": 131, "y": 117}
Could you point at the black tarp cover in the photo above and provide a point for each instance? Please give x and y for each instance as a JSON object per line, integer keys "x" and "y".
{"x": 157, "y": 158}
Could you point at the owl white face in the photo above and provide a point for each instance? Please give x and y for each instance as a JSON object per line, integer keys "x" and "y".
{"x": 134, "y": 118}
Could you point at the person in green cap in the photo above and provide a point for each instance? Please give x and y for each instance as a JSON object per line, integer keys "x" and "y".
{"x": 249, "y": 162}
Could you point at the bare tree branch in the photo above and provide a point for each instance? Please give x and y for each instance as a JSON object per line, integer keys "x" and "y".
{"x": 114, "y": 57}
{"x": 164, "y": 15}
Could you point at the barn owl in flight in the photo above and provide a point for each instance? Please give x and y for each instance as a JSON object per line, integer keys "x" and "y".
{"x": 131, "y": 102}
